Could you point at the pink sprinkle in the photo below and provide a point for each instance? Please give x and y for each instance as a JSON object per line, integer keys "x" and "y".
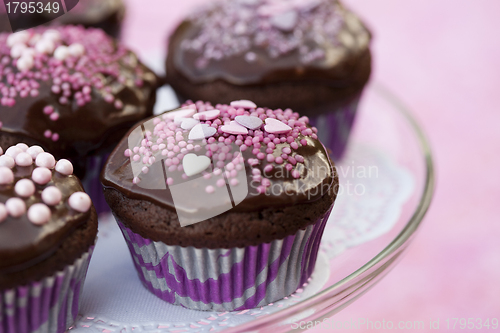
{"x": 7, "y": 161}
{"x": 6, "y": 176}
{"x": 80, "y": 201}
{"x": 170, "y": 181}
{"x": 34, "y": 151}
{"x": 234, "y": 182}
{"x": 286, "y": 150}
{"x": 278, "y": 160}
{"x": 51, "y": 196}
{"x": 268, "y": 168}
{"x": 13, "y": 151}
{"x": 136, "y": 180}
{"x": 39, "y": 214}
{"x": 220, "y": 182}
{"x": 24, "y": 159}
{"x": 209, "y": 189}
{"x": 261, "y": 156}
{"x": 55, "y": 137}
{"x": 15, "y": 207}
{"x": 266, "y": 182}
{"x": 24, "y": 188}
{"x": 54, "y": 116}
{"x": 45, "y": 160}
{"x": 64, "y": 167}
{"x": 41, "y": 175}
{"x": 294, "y": 145}
{"x": 303, "y": 142}
{"x": 270, "y": 158}
{"x": 22, "y": 146}
{"x": 127, "y": 153}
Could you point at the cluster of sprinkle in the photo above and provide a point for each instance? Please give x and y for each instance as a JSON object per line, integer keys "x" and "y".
{"x": 76, "y": 63}
{"x": 40, "y": 213}
{"x": 186, "y": 139}
{"x": 233, "y": 28}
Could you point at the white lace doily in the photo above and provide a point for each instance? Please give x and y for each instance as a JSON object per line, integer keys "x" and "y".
{"x": 114, "y": 299}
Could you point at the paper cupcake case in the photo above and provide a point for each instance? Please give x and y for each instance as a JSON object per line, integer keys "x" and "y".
{"x": 46, "y": 306}
{"x": 334, "y": 127}
{"x": 92, "y": 183}
{"x": 226, "y": 279}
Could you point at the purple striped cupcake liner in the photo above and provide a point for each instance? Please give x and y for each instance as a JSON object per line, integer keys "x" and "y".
{"x": 46, "y": 306}
{"x": 226, "y": 279}
{"x": 335, "y": 127}
{"x": 92, "y": 183}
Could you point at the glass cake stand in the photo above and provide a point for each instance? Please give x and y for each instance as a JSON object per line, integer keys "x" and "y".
{"x": 387, "y": 182}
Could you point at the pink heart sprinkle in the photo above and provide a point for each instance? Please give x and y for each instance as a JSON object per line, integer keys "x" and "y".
{"x": 207, "y": 115}
{"x": 245, "y": 104}
{"x": 275, "y": 126}
{"x": 234, "y": 128}
{"x": 250, "y": 122}
{"x": 183, "y": 113}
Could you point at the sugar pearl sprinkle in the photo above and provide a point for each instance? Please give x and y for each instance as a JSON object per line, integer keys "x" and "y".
{"x": 36, "y": 187}
{"x": 78, "y": 65}
{"x": 271, "y": 137}
{"x": 239, "y": 27}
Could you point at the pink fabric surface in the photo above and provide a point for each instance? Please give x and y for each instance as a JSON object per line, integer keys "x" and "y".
{"x": 442, "y": 59}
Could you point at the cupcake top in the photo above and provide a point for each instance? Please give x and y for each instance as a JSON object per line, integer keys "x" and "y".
{"x": 69, "y": 88}
{"x": 41, "y": 202}
{"x": 189, "y": 159}
{"x": 254, "y": 41}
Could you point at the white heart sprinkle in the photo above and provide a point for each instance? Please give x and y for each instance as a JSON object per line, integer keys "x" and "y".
{"x": 188, "y": 123}
{"x": 201, "y": 131}
{"x": 194, "y": 164}
{"x": 250, "y": 122}
{"x": 285, "y": 21}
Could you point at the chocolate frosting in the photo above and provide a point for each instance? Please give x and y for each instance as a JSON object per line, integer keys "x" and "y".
{"x": 24, "y": 244}
{"x": 249, "y": 43}
{"x": 121, "y": 91}
{"x": 307, "y": 181}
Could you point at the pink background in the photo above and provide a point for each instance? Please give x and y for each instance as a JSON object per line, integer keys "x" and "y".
{"x": 443, "y": 59}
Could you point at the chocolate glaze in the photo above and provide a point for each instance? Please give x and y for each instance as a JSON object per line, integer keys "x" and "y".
{"x": 344, "y": 56}
{"x": 24, "y": 244}
{"x": 315, "y": 181}
{"x": 83, "y": 130}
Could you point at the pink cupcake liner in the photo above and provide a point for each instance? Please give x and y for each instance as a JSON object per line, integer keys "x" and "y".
{"x": 226, "y": 279}
{"x": 46, "y": 306}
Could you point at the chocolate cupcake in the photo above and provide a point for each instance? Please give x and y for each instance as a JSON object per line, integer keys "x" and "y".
{"x": 310, "y": 55}
{"x": 48, "y": 228}
{"x": 107, "y": 15}
{"x": 73, "y": 91}
{"x": 222, "y": 208}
